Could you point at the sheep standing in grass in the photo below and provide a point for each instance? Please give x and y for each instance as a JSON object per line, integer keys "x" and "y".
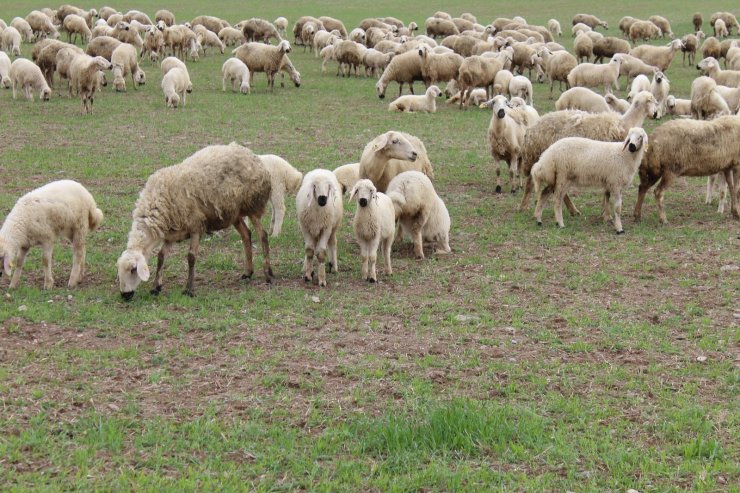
{"x": 41, "y": 25}
{"x": 720, "y": 29}
{"x": 590, "y": 20}
{"x": 208, "y": 39}
{"x": 281, "y": 24}
{"x": 5, "y": 71}
{"x": 632, "y": 67}
{"x": 478, "y": 71}
{"x": 165, "y": 16}
{"x": 175, "y": 85}
{"x": 76, "y": 27}
{"x": 215, "y": 188}
{"x": 706, "y": 102}
{"x": 61, "y": 208}
{"x": 409, "y": 103}
{"x": 404, "y": 69}
{"x": 153, "y": 44}
{"x": 284, "y": 179}
{"x": 659, "y": 56}
{"x": 231, "y": 36}
{"x": 710, "y": 66}
{"x": 11, "y": 41}
{"x": 236, "y": 72}
{"x": 660, "y": 87}
{"x": 420, "y": 211}
{"x": 83, "y": 76}
{"x": 554, "y": 27}
{"x": 347, "y": 175}
{"x": 582, "y": 162}
{"x": 124, "y": 62}
{"x": 260, "y": 57}
{"x": 662, "y": 24}
{"x": 697, "y": 20}
{"x": 26, "y": 76}
{"x": 592, "y": 75}
{"x": 374, "y": 226}
{"x": 557, "y": 66}
{"x": 583, "y": 47}
{"x": 23, "y": 28}
{"x": 102, "y": 46}
{"x": 643, "y": 30}
{"x": 686, "y": 147}
{"x": 320, "y": 209}
{"x": 690, "y": 45}
{"x": 639, "y": 84}
{"x": 520, "y": 86}
{"x": 609, "y": 46}
{"x": 392, "y": 153}
{"x": 436, "y": 69}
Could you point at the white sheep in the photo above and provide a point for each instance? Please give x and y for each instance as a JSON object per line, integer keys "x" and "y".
{"x": 58, "y": 209}
{"x": 409, "y": 103}
{"x": 347, "y": 175}
{"x": 731, "y": 95}
{"x": 11, "y": 41}
{"x": 610, "y": 166}
{"x": 677, "y": 107}
{"x": 404, "y": 69}
{"x": 175, "y": 86}
{"x": 5, "y": 71}
{"x": 231, "y": 36}
{"x": 319, "y": 207}
{"x": 532, "y": 115}
{"x": 391, "y": 153}
{"x": 76, "y": 26}
{"x": 632, "y": 67}
{"x": 717, "y": 182}
{"x": 260, "y": 57}
{"x": 520, "y": 86}
{"x": 124, "y": 62}
{"x": 658, "y": 56}
{"x": 710, "y": 66}
{"x": 26, "y": 76}
{"x": 236, "y": 72}
{"x": 639, "y": 84}
{"x": 375, "y": 61}
{"x": 583, "y": 47}
{"x": 374, "y": 225}
{"x": 284, "y": 179}
{"x": 660, "y": 87}
{"x": 617, "y": 105}
{"x": 420, "y": 211}
{"x": 554, "y": 27}
{"x": 581, "y": 98}
{"x": 210, "y": 39}
{"x": 281, "y": 24}
{"x": 720, "y": 29}
{"x": 23, "y": 27}
{"x": 214, "y": 189}
{"x": 84, "y": 77}
{"x": 591, "y": 75}
{"x": 706, "y": 102}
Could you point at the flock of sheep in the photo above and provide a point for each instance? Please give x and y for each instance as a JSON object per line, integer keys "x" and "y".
{"x": 592, "y": 140}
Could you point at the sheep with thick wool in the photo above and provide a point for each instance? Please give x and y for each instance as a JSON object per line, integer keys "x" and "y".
{"x": 583, "y": 47}
{"x": 617, "y": 105}
{"x": 706, "y": 101}
{"x": 609, "y": 46}
{"x": 347, "y": 175}
{"x": 103, "y": 46}
{"x": 677, "y": 107}
{"x": 76, "y": 26}
{"x": 23, "y": 27}
{"x": 478, "y": 71}
{"x": 590, "y": 20}
{"x": 731, "y": 95}
{"x": 26, "y": 76}
{"x": 660, "y": 87}
{"x": 259, "y": 57}
{"x": 557, "y": 66}
{"x": 685, "y": 147}
{"x": 581, "y": 98}
{"x": 237, "y": 73}
{"x": 10, "y": 41}
{"x": 392, "y": 153}
{"x": 5, "y": 71}
{"x": 320, "y": 209}
{"x": 58, "y": 209}
{"x": 421, "y": 213}
{"x": 520, "y": 86}
{"x": 643, "y": 30}
{"x": 374, "y": 225}
{"x": 554, "y": 27}
{"x": 124, "y": 62}
{"x": 632, "y": 67}
{"x": 175, "y": 85}
{"x": 593, "y": 75}
{"x": 231, "y": 36}
{"x": 639, "y": 84}
{"x": 404, "y": 69}
{"x": 582, "y": 162}
{"x": 710, "y": 67}
{"x": 663, "y": 24}
{"x": 690, "y": 44}
{"x": 284, "y": 179}
{"x": 41, "y": 25}
{"x": 375, "y": 61}
{"x": 84, "y": 78}
{"x": 436, "y": 68}
{"x": 210, "y": 39}
{"x": 658, "y": 56}
{"x": 215, "y": 188}
{"x": 426, "y": 103}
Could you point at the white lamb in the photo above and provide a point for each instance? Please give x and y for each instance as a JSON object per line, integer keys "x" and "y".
{"x": 582, "y": 162}
{"x": 5, "y": 70}
{"x": 660, "y": 87}
{"x": 678, "y": 107}
{"x": 320, "y": 210}
{"x": 639, "y": 84}
{"x": 284, "y": 179}
{"x": 520, "y": 86}
{"x": 61, "y": 208}
{"x": 26, "y": 76}
{"x": 236, "y": 71}
{"x": 374, "y": 225}
{"x": 410, "y": 103}
{"x": 592, "y": 75}
{"x": 175, "y": 85}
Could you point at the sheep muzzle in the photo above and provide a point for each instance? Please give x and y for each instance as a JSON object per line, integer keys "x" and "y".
{"x": 127, "y": 296}
{"x": 414, "y": 155}
{"x": 322, "y": 200}
{"x": 632, "y": 147}
{"x": 501, "y": 113}
{"x": 363, "y": 202}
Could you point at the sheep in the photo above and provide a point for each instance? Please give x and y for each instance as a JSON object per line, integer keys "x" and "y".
{"x": 392, "y": 153}
{"x": 375, "y": 62}
{"x": 125, "y": 33}
{"x": 213, "y": 24}
{"x": 298, "y": 27}
{"x": 578, "y": 161}
{"x": 366, "y": 24}
{"x": 135, "y": 15}
{"x": 625, "y": 23}
{"x": 690, "y": 44}
{"x": 725, "y": 47}
{"x": 259, "y": 57}
{"x": 501, "y": 82}
{"x": 717, "y": 182}
{"x": 639, "y": 84}
{"x": 409, "y": 104}
{"x": 607, "y": 47}
{"x": 209, "y": 39}
{"x": 685, "y": 147}
{"x": 284, "y": 178}
{"x": 608, "y": 127}
{"x": 22, "y": 26}
{"x": 5, "y": 71}
{"x": 83, "y": 76}
{"x": 217, "y": 187}
{"x": 557, "y": 66}
{"x": 475, "y": 98}
{"x": 102, "y": 30}
{"x": 63, "y": 63}
{"x": 307, "y": 34}
{"x": 662, "y": 24}
{"x": 60, "y": 208}
{"x": 438, "y": 68}
{"x": 554, "y": 27}
{"x": 347, "y": 175}
{"x": 678, "y": 107}
{"x": 632, "y": 67}
{"x": 319, "y": 207}
{"x": 153, "y": 44}
{"x": 102, "y": 46}
{"x": 357, "y": 35}
{"x": 349, "y": 55}
{"x": 175, "y": 85}
{"x": 114, "y": 19}
{"x": 47, "y": 56}
{"x": 594, "y": 36}
{"x": 322, "y": 39}
{"x": 478, "y": 71}
{"x": 331, "y": 24}
{"x": 660, "y": 87}
{"x": 11, "y": 41}
{"x": 583, "y": 47}
{"x": 420, "y": 211}
{"x": 617, "y": 105}
{"x": 256, "y": 29}
{"x": 440, "y": 27}
{"x": 591, "y": 75}
{"x": 580, "y": 98}
{"x": 231, "y": 36}
{"x": 532, "y": 115}
{"x": 711, "y": 48}
{"x": 728, "y": 18}
{"x": 720, "y": 29}
{"x": 659, "y": 56}
{"x": 165, "y": 16}
{"x": 41, "y": 25}
{"x": 123, "y": 60}
{"x": 578, "y": 29}
{"x": 706, "y": 102}
{"x": 520, "y": 86}
{"x": 235, "y": 71}
{"x": 463, "y": 24}
{"x": 731, "y": 95}
{"x": 105, "y": 12}
{"x": 590, "y": 20}
{"x": 281, "y": 24}
{"x": 710, "y": 67}
{"x": 408, "y": 31}
{"x": 27, "y": 76}
{"x": 76, "y": 26}
{"x": 697, "y": 20}
{"x": 404, "y": 69}
{"x": 643, "y": 30}
{"x": 286, "y": 67}
{"x": 374, "y": 226}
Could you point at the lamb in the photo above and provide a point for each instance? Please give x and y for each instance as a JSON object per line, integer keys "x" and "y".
{"x": 164, "y": 16}
{"x": 5, "y": 70}
{"x": 660, "y": 87}
{"x": 41, "y": 25}
{"x": 686, "y": 147}
{"x": 591, "y": 75}
{"x": 583, "y": 47}
{"x": 263, "y": 58}
{"x": 643, "y": 30}
{"x": 124, "y": 62}
{"x": 520, "y": 86}
{"x": 281, "y": 24}
{"x": 662, "y": 24}
{"x": 83, "y": 76}
{"x": 436, "y": 26}
{"x": 585, "y": 162}
{"x": 392, "y": 153}
{"x": 607, "y": 47}
{"x": 347, "y": 175}
{"x": 284, "y": 178}
{"x": 349, "y": 55}
{"x": 103, "y": 46}
{"x": 557, "y": 66}
{"x": 697, "y": 20}
{"x": 478, "y": 71}
{"x": 690, "y": 44}
{"x": 23, "y": 27}
{"x": 710, "y": 67}
{"x": 375, "y": 62}
{"x": 607, "y": 127}
{"x": 678, "y": 107}
{"x": 554, "y": 27}
{"x": 437, "y": 69}
{"x": 409, "y": 103}
{"x": 720, "y": 29}
{"x": 706, "y": 102}
{"x": 659, "y": 56}
{"x": 235, "y": 71}
{"x": 231, "y": 36}
{"x": 175, "y": 86}
{"x": 728, "y": 18}
{"x": 76, "y": 26}
{"x": 420, "y": 211}
{"x": 11, "y": 41}
{"x": 27, "y": 76}
{"x": 60, "y": 208}
{"x": 580, "y": 98}
{"x": 590, "y": 20}
{"x": 217, "y": 187}
{"x": 617, "y": 105}
{"x": 374, "y": 226}
{"x": 260, "y": 30}
{"x": 404, "y": 69}
{"x": 632, "y": 67}
{"x": 639, "y": 84}
{"x": 319, "y": 207}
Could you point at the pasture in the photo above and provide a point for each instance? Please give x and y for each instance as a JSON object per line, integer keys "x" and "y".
{"x": 529, "y": 359}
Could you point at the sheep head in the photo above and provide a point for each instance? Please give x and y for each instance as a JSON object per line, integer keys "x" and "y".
{"x": 321, "y": 191}
{"x": 7, "y": 256}
{"x": 132, "y": 270}
{"x": 707, "y": 65}
{"x": 434, "y": 91}
{"x": 636, "y": 139}
{"x": 365, "y": 191}
{"x": 646, "y": 101}
{"x": 394, "y": 146}
{"x": 498, "y": 104}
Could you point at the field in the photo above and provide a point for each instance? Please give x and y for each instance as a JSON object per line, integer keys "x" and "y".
{"x": 530, "y": 359}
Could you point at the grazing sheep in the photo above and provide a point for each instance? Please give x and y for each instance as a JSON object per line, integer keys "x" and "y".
{"x": 392, "y": 153}
{"x": 678, "y": 107}
{"x": 436, "y": 26}
{"x": 286, "y": 67}
{"x": 347, "y": 175}
{"x": 711, "y": 47}
{"x": 501, "y": 83}
{"x": 639, "y": 84}
{"x": 76, "y": 26}
{"x": 375, "y": 62}
{"x": 23, "y": 27}
{"x": 578, "y": 29}
{"x": 217, "y": 187}
{"x": 41, "y": 25}
{"x": 590, "y": 20}
{"x": 26, "y": 76}
{"x": 520, "y": 86}
{"x": 557, "y": 66}
{"x": 580, "y": 98}
{"x": 319, "y": 207}
{"x": 298, "y": 27}
{"x": 410, "y": 104}
{"x": 478, "y": 71}
{"x": 46, "y": 57}
{"x": 231, "y": 36}
{"x": 720, "y": 29}
{"x": 374, "y": 226}
{"x": 60, "y": 208}
{"x": 208, "y": 39}
{"x": 84, "y": 78}
{"x": 235, "y": 71}
{"x": 11, "y": 41}
{"x": 583, "y": 47}
{"x": 124, "y": 62}
{"x": 592, "y": 75}
{"x": 175, "y": 85}
{"x": 165, "y": 16}
{"x": 420, "y": 211}
{"x": 643, "y": 30}
{"x": 331, "y": 24}
{"x": 685, "y": 147}
{"x": 284, "y": 178}
{"x": 135, "y": 15}
{"x": 610, "y": 166}
{"x": 607, "y": 47}
{"x": 349, "y": 55}
{"x": 690, "y": 44}
{"x": 213, "y": 24}
{"x": 662, "y": 24}
{"x": 697, "y": 20}
{"x": 307, "y": 34}
{"x": 476, "y": 97}
{"x": 632, "y": 67}
{"x": 617, "y": 105}
{"x": 260, "y": 30}
{"x": 126, "y": 34}
{"x": 660, "y": 87}
{"x": 263, "y": 58}
{"x": 717, "y": 182}
{"x": 659, "y": 56}
{"x": 5, "y": 71}
{"x": 554, "y": 27}
{"x": 63, "y": 63}
{"x": 625, "y": 23}
{"x": 281, "y": 24}
{"x": 437, "y": 69}
{"x": 710, "y": 67}
{"x": 706, "y": 102}
{"x": 728, "y": 18}
{"x": 404, "y": 69}
{"x": 322, "y": 39}
{"x": 102, "y": 46}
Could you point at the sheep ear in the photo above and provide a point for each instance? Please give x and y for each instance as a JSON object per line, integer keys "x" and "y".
{"x": 353, "y": 193}
{"x": 381, "y": 141}
{"x": 7, "y": 265}
{"x": 311, "y": 193}
{"x": 142, "y": 269}
{"x": 626, "y": 143}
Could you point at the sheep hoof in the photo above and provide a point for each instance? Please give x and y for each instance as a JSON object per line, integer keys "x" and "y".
{"x": 329, "y": 267}
{"x": 513, "y": 190}
{"x": 620, "y": 232}
{"x": 307, "y": 279}
{"x": 156, "y": 290}
{"x": 189, "y": 293}
{"x": 322, "y": 284}
{"x": 246, "y": 277}
{"x": 371, "y": 280}
{"x": 498, "y": 188}
{"x": 539, "y": 223}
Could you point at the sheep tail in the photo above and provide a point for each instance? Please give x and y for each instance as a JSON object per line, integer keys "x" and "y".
{"x": 95, "y": 218}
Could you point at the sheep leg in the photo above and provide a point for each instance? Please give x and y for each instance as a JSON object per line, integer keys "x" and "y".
{"x": 48, "y": 248}
{"x": 163, "y": 252}
{"x": 571, "y": 206}
{"x": 192, "y": 255}
{"x": 498, "y": 178}
{"x": 278, "y": 215}
{"x": 364, "y": 254}
{"x": 246, "y": 236}
{"x": 332, "y": 250}
{"x": 267, "y": 267}
{"x": 665, "y": 182}
{"x": 78, "y": 260}
{"x": 308, "y": 264}
{"x": 617, "y": 207}
{"x": 710, "y": 189}
{"x": 732, "y": 186}
{"x": 560, "y": 192}
{"x": 372, "y": 255}
{"x": 321, "y": 258}
{"x": 605, "y": 203}
{"x": 527, "y": 192}
{"x": 18, "y": 268}
{"x": 387, "y": 244}
{"x": 542, "y": 197}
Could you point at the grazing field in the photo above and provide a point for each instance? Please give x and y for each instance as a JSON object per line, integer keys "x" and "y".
{"x": 529, "y": 359}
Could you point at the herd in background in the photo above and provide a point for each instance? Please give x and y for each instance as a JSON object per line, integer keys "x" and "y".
{"x": 591, "y": 140}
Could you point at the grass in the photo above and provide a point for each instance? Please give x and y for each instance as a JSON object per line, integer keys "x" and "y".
{"x": 531, "y": 359}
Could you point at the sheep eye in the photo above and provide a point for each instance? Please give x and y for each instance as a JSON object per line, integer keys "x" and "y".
{"x": 395, "y": 141}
